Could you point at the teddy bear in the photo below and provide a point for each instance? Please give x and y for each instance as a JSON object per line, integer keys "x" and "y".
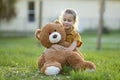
{"x": 54, "y": 58}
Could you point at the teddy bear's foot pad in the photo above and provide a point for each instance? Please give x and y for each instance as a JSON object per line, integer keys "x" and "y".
{"x": 89, "y": 70}
{"x": 52, "y": 70}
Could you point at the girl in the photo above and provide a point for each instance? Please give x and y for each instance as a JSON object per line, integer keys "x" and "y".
{"x": 69, "y": 20}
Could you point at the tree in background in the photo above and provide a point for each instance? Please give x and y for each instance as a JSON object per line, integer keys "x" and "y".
{"x": 101, "y": 23}
{"x": 7, "y": 9}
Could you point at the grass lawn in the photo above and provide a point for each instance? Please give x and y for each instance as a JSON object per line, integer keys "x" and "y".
{"x": 18, "y": 59}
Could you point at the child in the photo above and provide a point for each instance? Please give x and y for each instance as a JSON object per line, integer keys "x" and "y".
{"x": 69, "y": 20}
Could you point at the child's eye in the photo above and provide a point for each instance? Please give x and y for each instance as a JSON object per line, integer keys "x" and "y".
{"x": 64, "y": 19}
{"x": 69, "y": 20}
{"x": 49, "y": 33}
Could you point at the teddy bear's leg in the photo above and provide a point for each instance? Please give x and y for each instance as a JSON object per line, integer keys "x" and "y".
{"x": 52, "y": 68}
{"x": 41, "y": 61}
{"x": 89, "y": 66}
{"x": 76, "y": 61}
{"x": 79, "y": 53}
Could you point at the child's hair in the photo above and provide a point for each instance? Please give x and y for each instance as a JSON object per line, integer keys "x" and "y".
{"x": 70, "y": 11}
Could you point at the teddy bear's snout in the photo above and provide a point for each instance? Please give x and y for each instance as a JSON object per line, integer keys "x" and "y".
{"x": 54, "y": 36}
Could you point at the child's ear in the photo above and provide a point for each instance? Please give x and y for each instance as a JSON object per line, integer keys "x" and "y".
{"x": 37, "y": 33}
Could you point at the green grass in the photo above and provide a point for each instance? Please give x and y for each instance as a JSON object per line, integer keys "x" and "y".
{"x": 18, "y": 59}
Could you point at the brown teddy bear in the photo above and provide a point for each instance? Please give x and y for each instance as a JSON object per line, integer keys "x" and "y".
{"x": 54, "y": 58}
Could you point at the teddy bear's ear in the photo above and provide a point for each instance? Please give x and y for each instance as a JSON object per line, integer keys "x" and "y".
{"x": 37, "y": 33}
{"x": 58, "y": 22}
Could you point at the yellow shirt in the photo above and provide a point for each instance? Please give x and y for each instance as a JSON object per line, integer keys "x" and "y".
{"x": 74, "y": 36}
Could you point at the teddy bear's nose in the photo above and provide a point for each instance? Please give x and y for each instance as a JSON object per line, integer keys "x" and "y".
{"x": 54, "y": 36}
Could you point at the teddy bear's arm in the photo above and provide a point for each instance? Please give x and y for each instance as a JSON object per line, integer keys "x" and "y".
{"x": 57, "y": 46}
{"x": 71, "y": 47}
{"x": 41, "y": 61}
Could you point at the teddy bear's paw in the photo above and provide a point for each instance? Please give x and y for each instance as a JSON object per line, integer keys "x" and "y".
{"x": 52, "y": 70}
{"x": 89, "y": 70}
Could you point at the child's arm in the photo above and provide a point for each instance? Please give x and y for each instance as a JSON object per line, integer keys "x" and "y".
{"x": 73, "y": 45}
{"x": 78, "y": 40}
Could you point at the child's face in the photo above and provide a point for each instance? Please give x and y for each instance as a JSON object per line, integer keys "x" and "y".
{"x": 68, "y": 21}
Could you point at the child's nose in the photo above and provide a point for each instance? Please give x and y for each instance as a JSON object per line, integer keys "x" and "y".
{"x": 66, "y": 22}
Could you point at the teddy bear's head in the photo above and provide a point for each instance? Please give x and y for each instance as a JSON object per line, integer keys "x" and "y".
{"x": 51, "y": 33}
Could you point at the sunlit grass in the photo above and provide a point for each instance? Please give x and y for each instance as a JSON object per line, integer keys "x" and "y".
{"x": 18, "y": 59}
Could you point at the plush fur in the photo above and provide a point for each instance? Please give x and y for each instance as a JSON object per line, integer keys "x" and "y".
{"x": 54, "y": 58}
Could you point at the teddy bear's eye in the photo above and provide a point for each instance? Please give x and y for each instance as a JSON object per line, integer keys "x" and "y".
{"x": 49, "y": 33}
{"x": 55, "y": 30}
